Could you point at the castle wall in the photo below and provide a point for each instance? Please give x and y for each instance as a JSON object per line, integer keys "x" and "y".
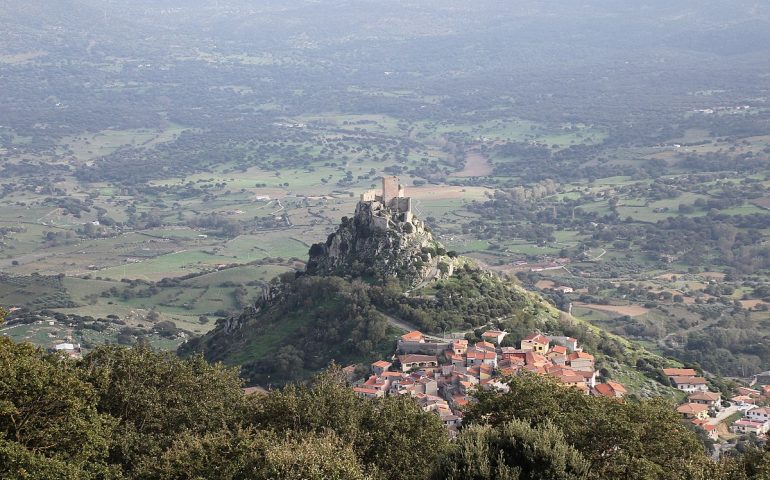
{"x": 425, "y": 348}
{"x": 369, "y": 196}
{"x": 403, "y": 204}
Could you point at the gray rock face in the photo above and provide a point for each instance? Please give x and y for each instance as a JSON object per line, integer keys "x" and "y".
{"x": 379, "y": 242}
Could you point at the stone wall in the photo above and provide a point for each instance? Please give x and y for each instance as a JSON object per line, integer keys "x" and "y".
{"x": 403, "y": 204}
{"x": 369, "y": 196}
{"x": 425, "y": 348}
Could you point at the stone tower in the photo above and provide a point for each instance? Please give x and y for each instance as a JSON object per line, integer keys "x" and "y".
{"x": 390, "y": 189}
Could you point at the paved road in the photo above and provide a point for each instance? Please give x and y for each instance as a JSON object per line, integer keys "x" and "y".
{"x": 428, "y": 279}
{"x": 724, "y": 413}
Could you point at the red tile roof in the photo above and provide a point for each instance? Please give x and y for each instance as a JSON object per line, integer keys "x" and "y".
{"x": 618, "y": 387}
{"x": 689, "y": 380}
{"x": 691, "y": 408}
{"x": 705, "y": 396}
{"x": 485, "y": 345}
{"x": 481, "y": 354}
{"x": 417, "y": 358}
{"x": 580, "y": 356}
{"x": 413, "y": 336}
{"x": 537, "y": 338}
{"x": 492, "y": 333}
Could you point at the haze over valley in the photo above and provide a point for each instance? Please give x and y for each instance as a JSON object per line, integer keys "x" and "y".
{"x": 206, "y": 176}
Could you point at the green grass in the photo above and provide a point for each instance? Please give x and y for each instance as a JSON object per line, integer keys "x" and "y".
{"x": 269, "y": 340}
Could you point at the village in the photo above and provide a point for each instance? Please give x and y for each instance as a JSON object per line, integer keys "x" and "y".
{"x": 442, "y": 375}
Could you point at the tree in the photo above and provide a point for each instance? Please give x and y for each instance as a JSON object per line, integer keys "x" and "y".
{"x": 157, "y": 396}
{"x": 621, "y": 440}
{"x": 512, "y": 451}
{"x": 48, "y": 415}
{"x": 253, "y": 454}
{"x": 17, "y": 462}
{"x": 392, "y": 435}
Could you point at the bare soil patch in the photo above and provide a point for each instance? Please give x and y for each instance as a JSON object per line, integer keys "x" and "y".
{"x": 440, "y": 192}
{"x": 542, "y": 284}
{"x": 749, "y": 304}
{"x": 668, "y": 276}
{"x": 630, "y": 310}
{"x": 713, "y": 275}
{"x": 476, "y": 165}
{"x": 763, "y": 202}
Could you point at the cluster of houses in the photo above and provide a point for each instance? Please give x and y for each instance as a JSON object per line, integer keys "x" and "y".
{"x": 756, "y": 419}
{"x": 703, "y": 405}
{"x": 440, "y": 375}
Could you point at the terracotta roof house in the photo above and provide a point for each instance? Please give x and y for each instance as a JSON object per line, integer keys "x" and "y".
{"x": 742, "y": 400}
{"x": 494, "y": 336}
{"x": 760, "y": 414}
{"x": 478, "y": 356}
{"x": 711, "y": 399}
{"x": 680, "y": 372}
{"x": 748, "y": 391}
{"x": 750, "y": 426}
{"x": 532, "y": 358}
{"x": 409, "y": 362}
{"x": 609, "y": 389}
{"x": 508, "y": 353}
{"x": 380, "y": 366}
{"x": 573, "y": 380}
{"x": 693, "y": 410}
{"x": 690, "y": 384}
{"x": 558, "y": 349}
{"x": 581, "y": 361}
{"x": 536, "y": 342}
{"x": 459, "y": 347}
{"x": 413, "y": 336}
{"x": 589, "y": 376}
{"x": 485, "y": 345}
{"x": 710, "y": 429}
{"x": 569, "y": 342}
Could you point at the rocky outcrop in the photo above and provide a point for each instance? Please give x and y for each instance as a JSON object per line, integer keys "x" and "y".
{"x": 380, "y": 242}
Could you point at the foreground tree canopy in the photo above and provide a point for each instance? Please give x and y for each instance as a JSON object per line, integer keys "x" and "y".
{"x": 134, "y": 413}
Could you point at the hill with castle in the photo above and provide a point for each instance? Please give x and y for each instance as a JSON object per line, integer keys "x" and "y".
{"x": 378, "y": 275}
{"x": 383, "y": 239}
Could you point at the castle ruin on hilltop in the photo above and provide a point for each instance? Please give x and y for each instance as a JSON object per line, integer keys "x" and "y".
{"x": 390, "y": 204}
{"x": 383, "y": 239}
